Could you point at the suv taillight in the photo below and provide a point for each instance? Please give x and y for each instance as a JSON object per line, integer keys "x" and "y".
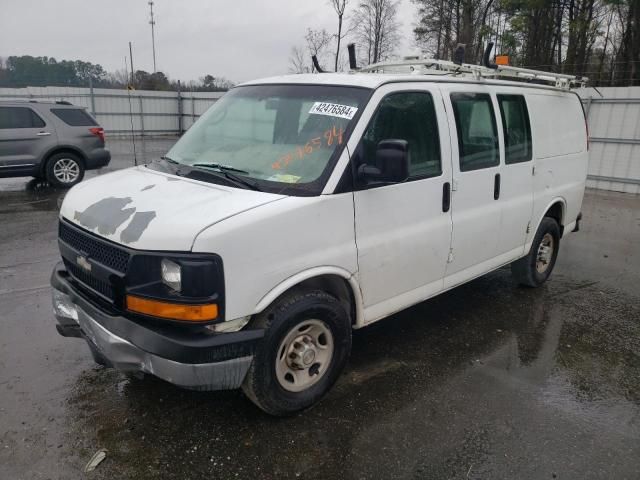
{"x": 98, "y": 132}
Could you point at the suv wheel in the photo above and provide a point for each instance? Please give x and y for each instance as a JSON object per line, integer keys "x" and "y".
{"x": 64, "y": 170}
{"x": 306, "y": 345}
{"x": 534, "y": 269}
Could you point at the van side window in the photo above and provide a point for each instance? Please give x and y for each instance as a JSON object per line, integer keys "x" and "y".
{"x": 19, "y": 117}
{"x": 477, "y": 132}
{"x": 409, "y": 116}
{"x": 517, "y": 130}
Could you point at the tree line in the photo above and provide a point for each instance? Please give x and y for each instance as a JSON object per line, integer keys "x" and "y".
{"x": 599, "y": 39}
{"x": 23, "y": 71}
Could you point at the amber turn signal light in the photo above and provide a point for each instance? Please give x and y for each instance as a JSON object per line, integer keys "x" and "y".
{"x": 173, "y": 311}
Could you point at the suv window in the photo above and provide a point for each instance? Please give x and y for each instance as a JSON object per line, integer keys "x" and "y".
{"x": 74, "y": 117}
{"x": 19, "y": 117}
{"x": 409, "y": 116}
{"x": 517, "y": 130}
{"x": 477, "y": 132}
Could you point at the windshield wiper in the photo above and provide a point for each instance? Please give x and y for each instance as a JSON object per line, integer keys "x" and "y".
{"x": 225, "y": 171}
{"x": 219, "y": 166}
{"x": 169, "y": 159}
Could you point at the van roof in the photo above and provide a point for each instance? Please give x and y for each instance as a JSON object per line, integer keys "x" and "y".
{"x": 58, "y": 103}
{"x": 375, "y": 80}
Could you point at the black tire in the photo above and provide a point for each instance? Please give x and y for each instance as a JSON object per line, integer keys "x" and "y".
{"x": 76, "y": 169}
{"x": 525, "y": 270}
{"x": 261, "y": 384}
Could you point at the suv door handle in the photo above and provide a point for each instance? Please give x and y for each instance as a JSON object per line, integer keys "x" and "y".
{"x": 43, "y": 134}
{"x": 446, "y": 196}
{"x": 496, "y": 187}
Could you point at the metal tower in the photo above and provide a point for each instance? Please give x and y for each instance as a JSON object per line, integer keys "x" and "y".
{"x": 152, "y": 22}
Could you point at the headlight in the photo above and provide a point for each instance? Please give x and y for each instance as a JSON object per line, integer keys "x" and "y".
{"x": 171, "y": 274}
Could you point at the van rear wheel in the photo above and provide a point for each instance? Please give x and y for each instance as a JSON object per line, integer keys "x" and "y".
{"x": 306, "y": 345}
{"x": 534, "y": 269}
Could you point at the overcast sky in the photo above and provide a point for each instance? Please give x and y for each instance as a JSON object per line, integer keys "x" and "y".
{"x": 237, "y": 39}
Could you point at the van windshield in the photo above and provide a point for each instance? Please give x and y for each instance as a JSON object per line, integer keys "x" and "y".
{"x": 275, "y": 135}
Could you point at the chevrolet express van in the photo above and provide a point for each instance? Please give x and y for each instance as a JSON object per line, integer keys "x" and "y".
{"x": 301, "y": 207}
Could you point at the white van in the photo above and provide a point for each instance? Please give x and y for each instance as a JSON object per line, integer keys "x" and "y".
{"x": 301, "y": 207}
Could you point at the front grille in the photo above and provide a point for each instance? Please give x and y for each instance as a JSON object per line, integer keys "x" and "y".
{"x": 96, "y": 249}
{"x": 95, "y": 284}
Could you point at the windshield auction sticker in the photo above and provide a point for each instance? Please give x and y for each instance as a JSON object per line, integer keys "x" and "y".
{"x": 333, "y": 110}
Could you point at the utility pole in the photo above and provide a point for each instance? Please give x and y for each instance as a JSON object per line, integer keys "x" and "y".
{"x": 131, "y": 63}
{"x": 152, "y": 22}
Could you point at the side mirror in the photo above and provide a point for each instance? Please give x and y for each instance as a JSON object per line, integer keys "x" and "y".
{"x": 392, "y": 163}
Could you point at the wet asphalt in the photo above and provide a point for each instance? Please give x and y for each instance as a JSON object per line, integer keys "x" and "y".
{"x": 487, "y": 381}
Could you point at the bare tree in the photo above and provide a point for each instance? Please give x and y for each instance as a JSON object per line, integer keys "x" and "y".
{"x": 339, "y": 6}
{"x": 376, "y": 28}
{"x": 317, "y": 43}
{"x": 299, "y": 61}
{"x": 118, "y": 77}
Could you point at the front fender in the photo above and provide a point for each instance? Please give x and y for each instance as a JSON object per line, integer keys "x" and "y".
{"x": 300, "y": 277}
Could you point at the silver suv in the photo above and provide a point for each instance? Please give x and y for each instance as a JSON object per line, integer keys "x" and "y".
{"x": 53, "y": 140}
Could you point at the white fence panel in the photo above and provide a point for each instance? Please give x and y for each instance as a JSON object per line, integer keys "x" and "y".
{"x": 613, "y": 115}
{"x": 121, "y": 111}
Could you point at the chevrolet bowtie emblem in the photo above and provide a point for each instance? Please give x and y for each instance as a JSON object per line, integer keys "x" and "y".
{"x": 83, "y": 263}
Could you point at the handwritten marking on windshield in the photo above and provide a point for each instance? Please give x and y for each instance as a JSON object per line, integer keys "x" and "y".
{"x": 331, "y": 136}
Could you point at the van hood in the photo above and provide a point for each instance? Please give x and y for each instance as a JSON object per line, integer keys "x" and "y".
{"x": 150, "y": 210}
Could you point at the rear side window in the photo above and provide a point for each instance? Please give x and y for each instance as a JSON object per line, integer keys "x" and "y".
{"x": 409, "y": 116}
{"x": 517, "y": 130}
{"x": 75, "y": 117}
{"x": 477, "y": 132}
{"x": 19, "y": 117}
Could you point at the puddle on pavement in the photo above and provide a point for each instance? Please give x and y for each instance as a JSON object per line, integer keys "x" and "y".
{"x": 34, "y": 195}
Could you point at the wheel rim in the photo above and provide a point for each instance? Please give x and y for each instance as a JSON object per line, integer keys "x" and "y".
{"x": 545, "y": 253}
{"x": 304, "y": 355}
{"x": 66, "y": 170}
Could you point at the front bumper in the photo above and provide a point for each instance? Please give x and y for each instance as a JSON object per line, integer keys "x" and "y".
{"x": 194, "y": 359}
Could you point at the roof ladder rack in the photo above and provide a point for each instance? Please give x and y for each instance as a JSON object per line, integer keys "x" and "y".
{"x": 429, "y": 66}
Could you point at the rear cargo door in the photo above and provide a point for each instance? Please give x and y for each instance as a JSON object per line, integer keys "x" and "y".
{"x": 516, "y": 189}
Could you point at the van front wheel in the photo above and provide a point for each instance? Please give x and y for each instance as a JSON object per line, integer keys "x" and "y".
{"x": 534, "y": 269}
{"x": 306, "y": 345}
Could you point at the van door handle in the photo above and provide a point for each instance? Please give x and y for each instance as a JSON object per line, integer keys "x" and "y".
{"x": 43, "y": 134}
{"x": 446, "y": 197}
{"x": 496, "y": 187}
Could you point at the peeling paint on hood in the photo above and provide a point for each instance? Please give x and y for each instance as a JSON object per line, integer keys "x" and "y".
{"x": 105, "y": 215}
{"x": 124, "y": 208}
